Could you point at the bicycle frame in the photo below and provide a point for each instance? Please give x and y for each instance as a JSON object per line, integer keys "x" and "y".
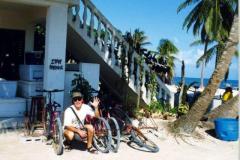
{"x": 53, "y": 113}
{"x": 52, "y": 122}
{"x": 135, "y": 133}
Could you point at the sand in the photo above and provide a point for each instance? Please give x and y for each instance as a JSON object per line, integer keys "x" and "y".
{"x": 14, "y": 146}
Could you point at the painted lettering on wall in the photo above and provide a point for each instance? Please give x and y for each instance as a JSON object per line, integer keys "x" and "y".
{"x": 56, "y": 64}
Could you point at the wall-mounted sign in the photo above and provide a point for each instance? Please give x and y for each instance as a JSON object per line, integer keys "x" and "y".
{"x": 56, "y": 64}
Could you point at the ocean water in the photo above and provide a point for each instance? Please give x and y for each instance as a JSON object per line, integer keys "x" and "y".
{"x": 233, "y": 83}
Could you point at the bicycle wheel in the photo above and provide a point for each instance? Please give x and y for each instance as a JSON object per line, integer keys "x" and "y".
{"x": 122, "y": 118}
{"x": 57, "y": 136}
{"x": 46, "y": 123}
{"x": 141, "y": 140}
{"x": 115, "y": 131}
{"x": 102, "y": 137}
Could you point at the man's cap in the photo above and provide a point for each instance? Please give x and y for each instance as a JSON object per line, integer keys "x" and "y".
{"x": 77, "y": 94}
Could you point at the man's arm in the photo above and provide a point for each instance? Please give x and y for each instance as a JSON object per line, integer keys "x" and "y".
{"x": 95, "y": 104}
{"x": 97, "y": 112}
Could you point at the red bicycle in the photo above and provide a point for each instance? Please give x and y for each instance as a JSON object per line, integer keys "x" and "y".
{"x": 52, "y": 121}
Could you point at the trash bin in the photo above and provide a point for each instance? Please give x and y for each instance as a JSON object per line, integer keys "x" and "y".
{"x": 226, "y": 129}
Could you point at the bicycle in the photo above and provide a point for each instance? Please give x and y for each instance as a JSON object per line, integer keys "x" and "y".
{"x": 114, "y": 127}
{"x": 110, "y": 139}
{"x": 146, "y": 120}
{"x": 148, "y": 124}
{"x": 134, "y": 133}
{"x": 102, "y": 136}
{"x": 52, "y": 122}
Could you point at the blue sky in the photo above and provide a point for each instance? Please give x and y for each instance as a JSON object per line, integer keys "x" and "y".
{"x": 159, "y": 19}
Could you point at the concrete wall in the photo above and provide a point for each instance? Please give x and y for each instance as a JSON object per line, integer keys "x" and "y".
{"x": 55, "y": 49}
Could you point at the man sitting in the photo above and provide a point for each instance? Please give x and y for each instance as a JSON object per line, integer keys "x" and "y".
{"x": 74, "y": 127}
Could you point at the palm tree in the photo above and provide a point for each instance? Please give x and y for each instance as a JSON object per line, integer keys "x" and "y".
{"x": 136, "y": 42}
{"x": 167, "y": 51}
{"x": 203, "y": 61}
{"x": 214, "y": 50}
{"x": 139, "y": 40}
{"x": 212, "y": 19}
{"x": 214, "y": 28}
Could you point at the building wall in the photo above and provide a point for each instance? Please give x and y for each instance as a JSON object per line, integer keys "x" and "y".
{"x": 17, "y": 19}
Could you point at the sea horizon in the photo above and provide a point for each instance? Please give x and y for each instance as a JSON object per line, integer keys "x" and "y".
{"x": 189, "y": 80}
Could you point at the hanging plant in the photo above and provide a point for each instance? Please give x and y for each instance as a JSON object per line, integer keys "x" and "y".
{"x": 129, "y": 39}
{"x": 129, "y": 64}
{"x": 147, "y": 81}
{"x": 140, "y": 63}
{"x": 135, "y": 68}
{"x": 109, "y": 44}
{"x": 153, "y": 85}
{"x": 116, "y": 54}
{"x": 39, "y": 36}
{"x": 123, "y": 62}
{"x": 80, "y": 84}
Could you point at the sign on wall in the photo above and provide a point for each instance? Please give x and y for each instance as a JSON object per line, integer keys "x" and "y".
{"x": 56, "y": 64}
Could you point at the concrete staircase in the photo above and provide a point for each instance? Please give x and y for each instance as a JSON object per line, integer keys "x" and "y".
{"x": 92, "y": 38}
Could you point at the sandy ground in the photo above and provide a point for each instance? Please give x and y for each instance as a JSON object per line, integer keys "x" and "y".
{"x": 14, "y": 146}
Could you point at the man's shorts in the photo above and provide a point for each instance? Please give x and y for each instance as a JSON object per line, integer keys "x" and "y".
{"x": 77, "y": 137}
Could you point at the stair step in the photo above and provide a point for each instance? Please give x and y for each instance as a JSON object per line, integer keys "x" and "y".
{"x": 11, "y": 123}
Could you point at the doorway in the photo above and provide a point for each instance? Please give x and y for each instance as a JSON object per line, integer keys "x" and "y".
{"x": 12, "y": 44}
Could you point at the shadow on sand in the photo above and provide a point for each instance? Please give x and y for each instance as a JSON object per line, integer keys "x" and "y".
{"x": 79, "y": 145}
{"x": 211, "y": 132}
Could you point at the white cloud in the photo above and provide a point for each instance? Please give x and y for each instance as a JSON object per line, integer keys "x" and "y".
{"x": 199, "y": 52}
{"x": 176, "y": 40}
{"x": 190, "y": 56}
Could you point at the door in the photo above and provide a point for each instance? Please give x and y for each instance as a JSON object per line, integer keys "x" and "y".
{"x": 12, "y": 44}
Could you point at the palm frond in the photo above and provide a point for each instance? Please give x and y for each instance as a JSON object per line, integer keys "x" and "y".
{"x": 196, "y": 43}
{"x": 185, "y": 4}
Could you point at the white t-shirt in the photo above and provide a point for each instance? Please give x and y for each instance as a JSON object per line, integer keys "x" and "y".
{"x": 71, "y": 120}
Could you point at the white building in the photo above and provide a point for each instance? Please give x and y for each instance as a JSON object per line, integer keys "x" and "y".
{"x": 75, "y": 30}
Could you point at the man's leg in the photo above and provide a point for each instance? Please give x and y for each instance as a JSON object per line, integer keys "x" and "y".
{"x": 68, "y": 135}
{"x": 90, "y": 132}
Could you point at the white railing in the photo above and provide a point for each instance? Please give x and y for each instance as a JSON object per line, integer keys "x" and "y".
{"x": 111, "y": 46}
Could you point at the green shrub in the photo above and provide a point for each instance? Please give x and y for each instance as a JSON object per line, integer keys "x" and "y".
{"x": 79, "y": 83}
{"x": 155, "y": 107}
{"x": 173, "y": 110}
{"x": 183, "y": 109}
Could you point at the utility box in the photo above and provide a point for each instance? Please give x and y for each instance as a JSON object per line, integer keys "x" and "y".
{"x": 8, "y": 89}
{"x": 28, "y": 89}
{"x": 14, "y": 107}
{"x": 31, "y": 72}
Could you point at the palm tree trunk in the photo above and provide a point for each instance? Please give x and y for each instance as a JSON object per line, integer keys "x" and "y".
{"x": 182, "y": 84}
{"x": 227, "y": 110}
{"x": 202, "y": 74}
{"x": 188, "y": 122}
{"x": 203, "y": 63}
